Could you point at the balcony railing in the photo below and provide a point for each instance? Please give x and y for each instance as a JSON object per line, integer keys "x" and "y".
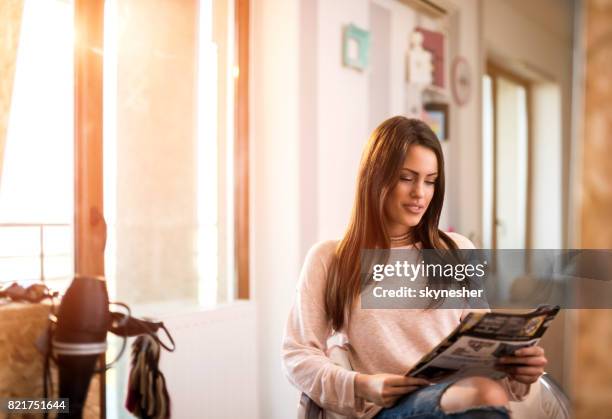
{"x": 36, "y": 252}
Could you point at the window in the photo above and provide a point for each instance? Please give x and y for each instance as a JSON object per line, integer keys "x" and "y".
{"x": 169, "y": 154}
{"x": 36, "y": 178}
{"x": 505, "y": 160}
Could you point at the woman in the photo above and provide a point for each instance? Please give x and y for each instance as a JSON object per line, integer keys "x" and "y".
{"x": 400, "y": 191}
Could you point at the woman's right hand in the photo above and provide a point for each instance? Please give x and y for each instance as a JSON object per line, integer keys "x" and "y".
{"x": 385, "y": 389}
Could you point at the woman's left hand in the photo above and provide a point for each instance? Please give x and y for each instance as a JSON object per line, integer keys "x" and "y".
{"x": 526, "y": 365}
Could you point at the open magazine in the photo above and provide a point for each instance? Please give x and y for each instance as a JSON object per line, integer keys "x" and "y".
{"x": 482, "y": 337}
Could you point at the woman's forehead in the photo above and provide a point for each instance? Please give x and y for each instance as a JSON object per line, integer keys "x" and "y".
{"x": 421, "y": 160}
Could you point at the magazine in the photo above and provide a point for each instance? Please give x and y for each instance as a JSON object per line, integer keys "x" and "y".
{"x": 479, "y": 340}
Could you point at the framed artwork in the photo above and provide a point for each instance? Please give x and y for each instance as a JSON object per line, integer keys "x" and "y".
{"x": 434, "y": 43}
{"x": 355, "y": 47}
{"x": 420, "y": 61}
{"x": 436, "y": 116}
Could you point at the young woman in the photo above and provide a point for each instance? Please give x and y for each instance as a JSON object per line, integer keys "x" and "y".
{"x": 400, "y": 190}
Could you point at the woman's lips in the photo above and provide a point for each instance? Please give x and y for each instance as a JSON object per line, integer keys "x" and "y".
{"x": 413, "y": 208}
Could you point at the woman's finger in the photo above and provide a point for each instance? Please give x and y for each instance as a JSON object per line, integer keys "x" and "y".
{"x": 537, "y": 371}
{"x": 418, "y": 381}
{"x": 530, "y": 351}
{"x": 523, "y": 360}
{"x": 398, "y": 391}
{"x": 403, "y": 381}
{"x": 390, "y": 401}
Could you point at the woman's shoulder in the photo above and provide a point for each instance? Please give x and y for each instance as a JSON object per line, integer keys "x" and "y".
{"x": 461, "y": 241}
{"x": 322, "y": 251}
{"x": 316, "y": 266}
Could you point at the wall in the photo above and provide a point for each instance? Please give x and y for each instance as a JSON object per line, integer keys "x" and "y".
{"x": 211, "y": 375}
{"x": 275, "y": 189}
{"x": 342, "y": 116}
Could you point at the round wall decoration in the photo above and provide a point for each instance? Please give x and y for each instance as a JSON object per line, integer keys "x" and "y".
{"x": 461, "y": 80}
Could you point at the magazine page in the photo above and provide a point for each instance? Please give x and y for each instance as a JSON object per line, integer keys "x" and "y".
{"x": 475, "y": 345}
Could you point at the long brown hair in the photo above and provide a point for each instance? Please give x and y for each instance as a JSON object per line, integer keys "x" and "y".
{"x": 379, "y": 170}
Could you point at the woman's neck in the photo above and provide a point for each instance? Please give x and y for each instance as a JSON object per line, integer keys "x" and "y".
{"x": 402, "y": 239}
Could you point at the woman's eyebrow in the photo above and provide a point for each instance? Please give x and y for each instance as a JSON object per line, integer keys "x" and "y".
{"x": 417, "y": 173}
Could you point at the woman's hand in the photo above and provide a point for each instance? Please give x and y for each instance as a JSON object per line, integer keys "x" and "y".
{"x": 385, "y": 389}
{"x": 526, "y": 365}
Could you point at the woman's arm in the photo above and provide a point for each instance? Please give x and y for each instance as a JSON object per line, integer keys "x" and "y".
{"x": 303, "y": 352}
{"x": 386, "y": 389}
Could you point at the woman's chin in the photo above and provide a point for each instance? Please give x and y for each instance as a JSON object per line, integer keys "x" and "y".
{"x": 412, "y": 221}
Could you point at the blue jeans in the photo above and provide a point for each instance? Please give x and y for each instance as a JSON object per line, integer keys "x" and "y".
{"x": 425, "y": 404}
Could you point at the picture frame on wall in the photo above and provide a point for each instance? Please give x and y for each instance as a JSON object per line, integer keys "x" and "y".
{"x": 355, "y": 47}
{"x": 435, "y": 114}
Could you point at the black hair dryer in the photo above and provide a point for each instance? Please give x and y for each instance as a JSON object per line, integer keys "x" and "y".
{"x": 79, "y": 339}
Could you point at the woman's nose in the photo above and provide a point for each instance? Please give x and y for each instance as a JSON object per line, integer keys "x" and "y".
{"x": 417, "y": 190}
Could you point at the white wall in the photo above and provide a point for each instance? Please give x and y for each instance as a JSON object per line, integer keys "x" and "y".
{"x": 464, "y": 154}
{"x": 342, "y": 112}
{"x": 275, "y": 192}
{"x": 211, "y": 370}
{"x": 212, "y": 373}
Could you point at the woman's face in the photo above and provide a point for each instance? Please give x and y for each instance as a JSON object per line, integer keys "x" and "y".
{"x": 410, "y": 198}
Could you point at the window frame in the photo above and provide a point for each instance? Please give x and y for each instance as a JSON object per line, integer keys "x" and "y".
{"x": 241, "y": 149}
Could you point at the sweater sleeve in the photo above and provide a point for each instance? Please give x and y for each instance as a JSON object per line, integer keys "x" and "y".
{"x": 304, "y": 343}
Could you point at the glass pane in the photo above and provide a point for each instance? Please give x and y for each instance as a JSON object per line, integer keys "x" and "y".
{"x": 58, "y": 240}
{"x": 19, "y": 269}
{"x": 511, "y": 152}
{"x": 168, "y": 151}
{"x": 36, "y": 182}
{"x": 58, "y": 267}
{"x": 19, "y": 241}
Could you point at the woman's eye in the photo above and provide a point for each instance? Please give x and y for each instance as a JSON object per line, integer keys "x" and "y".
{"x": 406, "y": 179}
{"x": 431, "y": 182}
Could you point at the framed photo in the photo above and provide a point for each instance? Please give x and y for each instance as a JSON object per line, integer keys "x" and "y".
{"x": 436, "y": 116}
{"x": 355, "y": 47}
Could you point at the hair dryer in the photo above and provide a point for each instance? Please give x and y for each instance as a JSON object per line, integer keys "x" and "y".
{"x": 80, "y": 338}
